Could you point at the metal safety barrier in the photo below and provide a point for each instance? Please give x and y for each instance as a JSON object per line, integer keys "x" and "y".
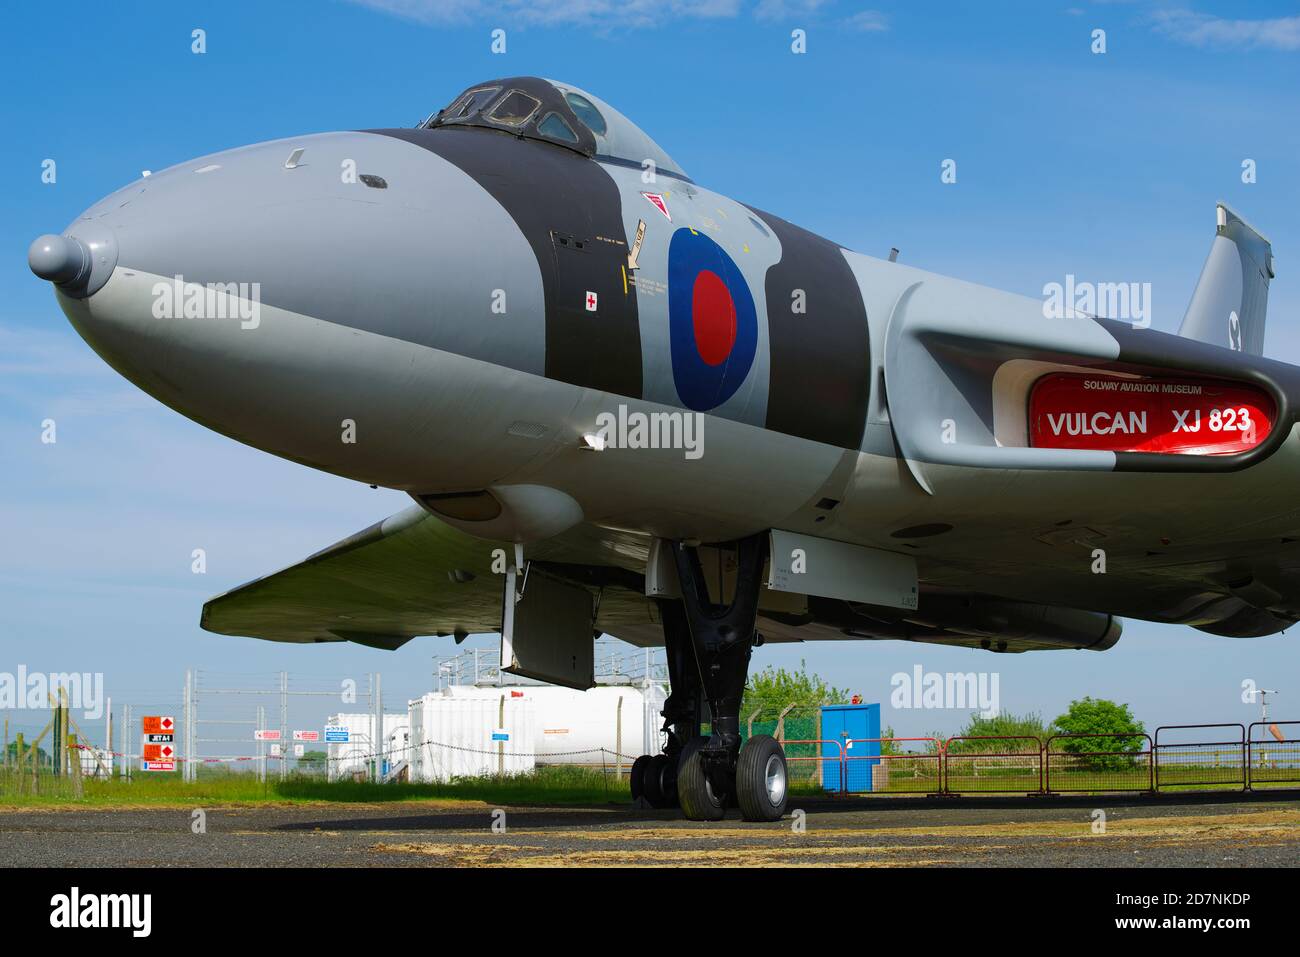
{"x": 1273, "y": 755}
{"x": 816, "y": 761}
{"x": 1262, "y": 756}
{"x": 894, "y": 765}
{"x": 1098, "y": 762}
{"x": 1219, "y": 763}
{"x": 993, "y": 764}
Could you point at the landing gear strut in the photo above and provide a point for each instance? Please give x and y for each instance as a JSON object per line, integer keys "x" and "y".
{"x": 709, "y": 645}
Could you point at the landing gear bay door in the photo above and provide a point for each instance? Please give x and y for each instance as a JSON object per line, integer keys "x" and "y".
{"x": 818, "y": 566}
{"x": 548, "y": 629}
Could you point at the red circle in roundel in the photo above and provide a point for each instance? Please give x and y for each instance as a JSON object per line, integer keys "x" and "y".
{"x": 714, "y": 315}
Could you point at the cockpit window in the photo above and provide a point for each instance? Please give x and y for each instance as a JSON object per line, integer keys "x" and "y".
{"x": 587, "y": 112}
{"x": 469, "y": 102}
{"x": 534, "y": 108}
{"x": 555, "y": 127}
{"x": 515, "y": 108}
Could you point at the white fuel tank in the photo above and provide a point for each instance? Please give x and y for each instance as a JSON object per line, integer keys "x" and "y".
{"x": 587, "y": 727}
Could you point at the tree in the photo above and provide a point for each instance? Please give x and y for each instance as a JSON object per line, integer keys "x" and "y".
{"x": 772, "y": 690}
{"x": 42, "y": 756}
{"x": 888, "y": 745}
{"x": 999, "y": 727}
{"x": 1097, "y": 716}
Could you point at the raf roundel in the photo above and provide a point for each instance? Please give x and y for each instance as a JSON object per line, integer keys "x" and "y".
{"x": 713, "y": 327}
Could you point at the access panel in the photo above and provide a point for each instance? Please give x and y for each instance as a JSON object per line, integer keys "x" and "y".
{"x": 547, "y": 630}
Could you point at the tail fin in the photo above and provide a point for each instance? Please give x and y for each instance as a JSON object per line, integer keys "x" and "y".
{"x": 1230, "y": 302}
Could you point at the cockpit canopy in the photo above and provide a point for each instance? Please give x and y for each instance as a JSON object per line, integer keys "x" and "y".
{"x": 557, "y": 113}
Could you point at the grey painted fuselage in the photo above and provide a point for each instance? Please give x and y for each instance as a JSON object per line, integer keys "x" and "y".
{"x": 464, "y": 325}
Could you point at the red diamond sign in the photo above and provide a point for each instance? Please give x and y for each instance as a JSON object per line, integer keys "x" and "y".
{"x": 157, "y": 723}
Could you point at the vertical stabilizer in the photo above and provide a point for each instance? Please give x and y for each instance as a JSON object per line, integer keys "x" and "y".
{"x": 1230, "y": 302}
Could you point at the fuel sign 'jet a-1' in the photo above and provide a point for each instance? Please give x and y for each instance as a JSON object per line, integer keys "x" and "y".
{"x": 624, "y": 403}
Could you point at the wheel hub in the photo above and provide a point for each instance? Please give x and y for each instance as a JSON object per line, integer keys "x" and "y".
{"x": 774, "y": 777}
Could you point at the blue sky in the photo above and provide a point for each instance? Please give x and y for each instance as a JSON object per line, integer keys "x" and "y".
{"x": 1105, "y": 166}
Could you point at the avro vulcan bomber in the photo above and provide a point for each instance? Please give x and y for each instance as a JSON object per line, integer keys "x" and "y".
{"x": 623, "y": 403}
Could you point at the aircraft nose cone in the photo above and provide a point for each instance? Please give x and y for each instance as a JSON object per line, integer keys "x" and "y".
{"x": 58, "y": 259}
{"x": 78, "y": 263}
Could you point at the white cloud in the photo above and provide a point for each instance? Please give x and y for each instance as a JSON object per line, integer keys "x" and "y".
{"x": 600, "y": 13}
{"x": 1205, "y": 30}
{"x": 612, "y": 14}
{"x": 868, "y": 21}
{"x": 784, "y": 9}
{"x": 39, "y": 351}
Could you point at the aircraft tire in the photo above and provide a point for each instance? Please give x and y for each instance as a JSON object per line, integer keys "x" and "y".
{"x": 636, "y": 777}
{"x": 694, "y": 792}
{"x": 762, "y": 779}
{"x": 654, "y": 782}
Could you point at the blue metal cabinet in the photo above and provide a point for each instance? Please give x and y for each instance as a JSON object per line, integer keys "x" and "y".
{"x": 846, "y": 723}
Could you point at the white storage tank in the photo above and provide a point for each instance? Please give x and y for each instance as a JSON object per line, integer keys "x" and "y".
{"x": 458, "y": 736}
{"x": 589, "y": 727}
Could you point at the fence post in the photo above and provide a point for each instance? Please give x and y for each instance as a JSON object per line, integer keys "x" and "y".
{"x": 1249, "y": 755}
{"x": 618, "y": 741}
{"x": 74, "y": 766}
{"x": 56, "y": 743}
{"x": 501, "y": 745}
{"x": 108, "y": 737}
{"x": 66, "y": 711}
{"x": 780, "y": 724}
{"x": 284, "y": 727}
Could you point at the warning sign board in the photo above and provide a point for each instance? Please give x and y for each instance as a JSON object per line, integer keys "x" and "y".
{"x": 658, "y": 202}
{"x": 159, "y": 752}
{"x": 306, "y": 735}
{"x": 266, "y": 735}
{"x": 158, "y": 724}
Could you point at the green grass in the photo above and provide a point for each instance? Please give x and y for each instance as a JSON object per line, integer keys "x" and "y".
{"x": 557, "y": 786}
{"x": 546, "y": 786}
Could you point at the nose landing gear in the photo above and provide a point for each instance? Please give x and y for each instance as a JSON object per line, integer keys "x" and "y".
{"x": 709, "y": 645}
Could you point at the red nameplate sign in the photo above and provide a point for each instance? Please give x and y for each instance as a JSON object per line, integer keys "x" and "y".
{"x": 1112, "y": 413}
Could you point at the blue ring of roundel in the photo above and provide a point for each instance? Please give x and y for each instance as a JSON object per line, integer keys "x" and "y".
{"x": 699, "y": 385}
